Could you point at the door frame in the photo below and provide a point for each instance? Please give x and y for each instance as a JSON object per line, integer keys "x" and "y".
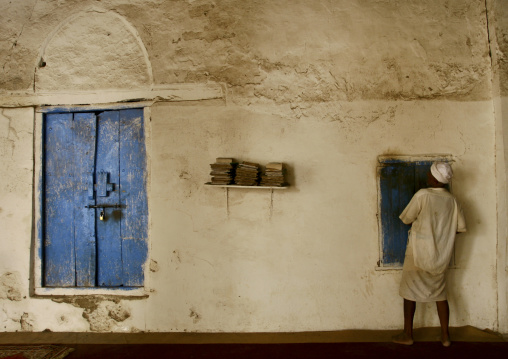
{"x": 37, "y": 288}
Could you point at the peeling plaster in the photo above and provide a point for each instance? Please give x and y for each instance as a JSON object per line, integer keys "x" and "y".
{"x": 103, "y": 314}
{"x": 26, "y": 323}
{"x": 8, "y": 134}
{"x": 10, "y": 284}
{"x": 306, "y": 76}
{"x": 196, "y": 317}
{"x": 331, "y": 62}
{"x": 154, "y": 266}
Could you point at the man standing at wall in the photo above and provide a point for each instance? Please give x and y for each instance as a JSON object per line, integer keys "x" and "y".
{"x": 436, "y": 217}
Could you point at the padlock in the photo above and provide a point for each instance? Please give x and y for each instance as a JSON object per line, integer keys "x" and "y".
{"x": 101, "y": 216}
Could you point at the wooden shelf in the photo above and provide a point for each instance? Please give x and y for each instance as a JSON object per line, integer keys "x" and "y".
{"x": 237, "y": 186}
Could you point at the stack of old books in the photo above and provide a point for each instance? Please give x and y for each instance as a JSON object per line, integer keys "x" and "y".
{"x": 274, "y": 175}
{"x": 247, "y": 174}
{"x": 223, "y": 171}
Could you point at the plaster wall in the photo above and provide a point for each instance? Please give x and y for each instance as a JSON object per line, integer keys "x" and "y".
{"x": 323, "y": 86}
{"x": 307, "y": 256}
{"x": 497, "y": 33}
{"x": 301, "y": 259}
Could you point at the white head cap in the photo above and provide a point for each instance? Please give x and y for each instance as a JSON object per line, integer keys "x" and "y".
{"x": 441, "y": 171}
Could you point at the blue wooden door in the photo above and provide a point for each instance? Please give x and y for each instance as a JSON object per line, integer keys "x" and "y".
{"x": 95, "y": 208}
{"x": 398, "y": 183}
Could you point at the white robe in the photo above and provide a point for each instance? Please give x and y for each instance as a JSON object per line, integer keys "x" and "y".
{"x": 436, "y": 217}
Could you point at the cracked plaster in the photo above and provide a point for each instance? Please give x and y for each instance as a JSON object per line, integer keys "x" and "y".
{"x": 103, "y": 314}
{"x": 325, "y": 86}
{"x": 227, "y": 42}
{"x": 10, "y": 286}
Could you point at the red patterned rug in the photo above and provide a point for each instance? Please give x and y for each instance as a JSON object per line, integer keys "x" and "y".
{"x": 34, "y": 351}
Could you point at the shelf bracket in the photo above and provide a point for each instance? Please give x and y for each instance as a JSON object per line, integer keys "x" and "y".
{"x": 227, "y": 201}
{"x": 271, "y": 203}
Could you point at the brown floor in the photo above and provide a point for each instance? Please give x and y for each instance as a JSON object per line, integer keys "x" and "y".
{"x": 468, "y": 342}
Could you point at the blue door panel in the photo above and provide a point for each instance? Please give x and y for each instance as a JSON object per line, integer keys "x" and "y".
{"x": 397, "y": 189}
{"x": 85, "y": 127}
{"x": 135, "y": 252}
{"x": 421, "y": 171}
{"x": 109, "y": 243}
{"x": 133, "y": 194}
{"x": 59, "y": 255}
{"x": 92, "y": 161}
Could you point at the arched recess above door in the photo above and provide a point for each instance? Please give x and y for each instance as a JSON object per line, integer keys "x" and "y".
{"x": 90, "y": 51}
{"x": 97, "y": 57}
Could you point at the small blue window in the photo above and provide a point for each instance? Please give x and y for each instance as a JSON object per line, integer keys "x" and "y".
{"x": 94, "y": 199}
{"x": 399, "y": 180}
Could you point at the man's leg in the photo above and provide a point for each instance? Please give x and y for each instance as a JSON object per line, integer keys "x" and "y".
{"x": 406, "y": 337}
{"x": 443, "y": 311}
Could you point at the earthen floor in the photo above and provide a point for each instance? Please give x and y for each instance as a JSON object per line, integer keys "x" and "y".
{"x": 467, "y": 342}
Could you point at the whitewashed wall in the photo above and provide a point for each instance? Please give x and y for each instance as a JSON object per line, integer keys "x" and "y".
{"x": 325, "y": 87}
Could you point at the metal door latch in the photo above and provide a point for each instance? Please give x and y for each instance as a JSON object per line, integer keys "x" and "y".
{"x": 102, "y": 214}
{"x": 106, "y": 206}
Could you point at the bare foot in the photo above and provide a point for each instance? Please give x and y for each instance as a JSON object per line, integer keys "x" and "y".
{"x": 446, "y": 342}
{"x": 403, "y": 339}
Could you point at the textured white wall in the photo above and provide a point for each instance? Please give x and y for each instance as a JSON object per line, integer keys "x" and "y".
{"x": 325, "y": 87}
{"x": 306, "y": 261}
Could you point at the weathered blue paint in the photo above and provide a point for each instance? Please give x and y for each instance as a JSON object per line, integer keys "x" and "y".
{"x": 393, "y": 161}
{"x": 87, "y": 108}
{"x": 59, "y": 252}
{"x": 90, "y": 161}
{"x": 421, "y": 171}
{"x": 133, "y": 195}
{"x": 399, "y": 181}
{"x": 410, "y": 161}
{"x": 90, "y": 185}
{"x": 84, "y": 130}
{"x": 397, "y": 185}
{"x": 109, "y": 242}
